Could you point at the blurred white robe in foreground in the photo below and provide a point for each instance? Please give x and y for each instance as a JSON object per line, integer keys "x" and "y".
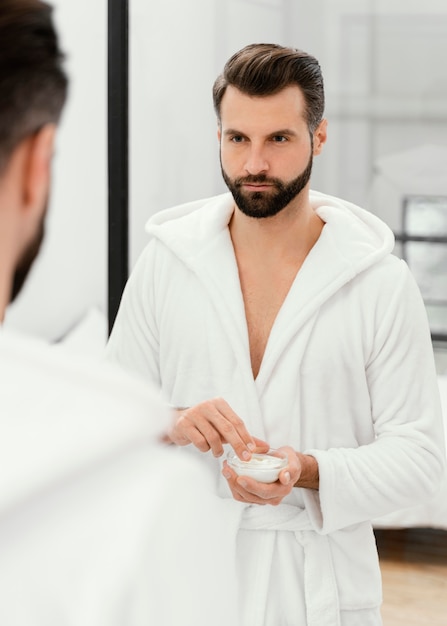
{"x": 100, "y": 525}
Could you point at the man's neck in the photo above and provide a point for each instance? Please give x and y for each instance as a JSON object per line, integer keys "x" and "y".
{"x": 5, "y": 290}
{"x": 7, "y": 259}
{"x": 289, "y": 234}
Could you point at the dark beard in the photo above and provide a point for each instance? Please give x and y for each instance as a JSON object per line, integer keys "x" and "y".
{"x": 261, "y": 204}
{"x": 26, "y": 261}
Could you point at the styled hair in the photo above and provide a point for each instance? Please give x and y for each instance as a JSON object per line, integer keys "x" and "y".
{"x": 33, "y": 84}
{"x": 265, "y": 69}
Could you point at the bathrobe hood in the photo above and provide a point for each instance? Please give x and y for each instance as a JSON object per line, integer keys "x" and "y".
{"x": 357, "y": 239}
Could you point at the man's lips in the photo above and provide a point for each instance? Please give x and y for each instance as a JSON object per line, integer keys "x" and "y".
{"x": 257, "y": 186}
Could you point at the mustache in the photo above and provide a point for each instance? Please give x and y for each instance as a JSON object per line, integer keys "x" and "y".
{"x": 258, "y": 178}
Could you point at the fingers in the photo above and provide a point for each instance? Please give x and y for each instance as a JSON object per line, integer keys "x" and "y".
{"x": 200, "y": 433}
{"x": 261, "y": 446}
{"x": 246, "y": 489}
{"x": 261, "y": 493}
{"x": 231, "y": 429}
{"x": 211, "y": 424}
{"x": 292, "y": 472}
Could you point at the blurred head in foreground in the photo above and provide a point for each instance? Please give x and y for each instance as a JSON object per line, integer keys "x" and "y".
{"x": 33, "y": 88}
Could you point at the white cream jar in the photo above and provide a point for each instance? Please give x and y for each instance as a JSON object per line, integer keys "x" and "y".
{"x": 264, "y": 468}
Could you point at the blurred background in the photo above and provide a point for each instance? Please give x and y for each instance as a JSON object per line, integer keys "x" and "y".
{"x": 386, "y": 90}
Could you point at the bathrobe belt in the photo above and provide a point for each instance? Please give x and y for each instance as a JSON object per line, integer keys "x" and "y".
{"x": 320, "y": 588}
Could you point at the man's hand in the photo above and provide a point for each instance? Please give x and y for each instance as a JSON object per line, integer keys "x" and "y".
{"x": 249, "y": 490}
{"x": 211, "y": 424}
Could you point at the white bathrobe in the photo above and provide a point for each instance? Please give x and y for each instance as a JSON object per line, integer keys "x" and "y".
{"x": 347, "y": 376}
{"x": 96, "y": 527}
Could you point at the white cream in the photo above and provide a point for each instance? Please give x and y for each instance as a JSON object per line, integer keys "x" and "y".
{"x": 264, "y": 460}
{"x": 264, "y": 468}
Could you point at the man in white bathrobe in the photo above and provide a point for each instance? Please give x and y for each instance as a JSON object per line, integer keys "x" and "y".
{"x": 276, "y": 313}
{"x": 100, "y": 525}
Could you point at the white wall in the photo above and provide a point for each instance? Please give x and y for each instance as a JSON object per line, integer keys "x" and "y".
{"x": 383, "y": 62}
{"x": 386, "y": 86}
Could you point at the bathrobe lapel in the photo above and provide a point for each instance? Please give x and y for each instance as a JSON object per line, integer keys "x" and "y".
{"x": 217, "y": 269}
{"x": 328, "y": 266}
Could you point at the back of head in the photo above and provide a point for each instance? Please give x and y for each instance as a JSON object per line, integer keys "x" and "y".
{"x": 265, "y": 69}
{"x": 33, "y": 85}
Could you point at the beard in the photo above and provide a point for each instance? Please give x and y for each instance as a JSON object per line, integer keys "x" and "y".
{"x": 27, "y": 259}
{"x": 261, "y": 204}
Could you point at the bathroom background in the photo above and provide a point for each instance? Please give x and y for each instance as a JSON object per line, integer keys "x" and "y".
{"x": 386, "y": 90}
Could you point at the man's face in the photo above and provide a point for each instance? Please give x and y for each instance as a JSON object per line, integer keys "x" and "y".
{"x": 27, "y": 259}
{"x": 266, "y": 150}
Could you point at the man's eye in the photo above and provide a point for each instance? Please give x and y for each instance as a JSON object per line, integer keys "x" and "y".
{"x": 279, "y": 138}
{"x": 237, "y": 139}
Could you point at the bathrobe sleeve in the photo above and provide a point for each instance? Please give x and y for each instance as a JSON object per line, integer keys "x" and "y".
{"x": 405, "y": 462}
{"x": 133, "y": 343}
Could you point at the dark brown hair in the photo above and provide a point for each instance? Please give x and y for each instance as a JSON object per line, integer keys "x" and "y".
{"x": 33, "y": 84}
{"x": 265, "y": 69}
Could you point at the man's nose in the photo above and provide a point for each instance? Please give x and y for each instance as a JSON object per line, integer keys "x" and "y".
{"x": 256, "y": 162}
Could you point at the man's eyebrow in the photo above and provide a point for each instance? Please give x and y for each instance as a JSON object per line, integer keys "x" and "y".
{"x": 232, "y": 131}
{"x": 275, "y": 133}
{"x": 282, "y": 131}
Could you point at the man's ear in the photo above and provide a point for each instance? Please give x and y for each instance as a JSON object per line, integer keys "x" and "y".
{"x": 320, "y": 136}
{"x": 37, "y": 174}
{"x": 219, "y": 133}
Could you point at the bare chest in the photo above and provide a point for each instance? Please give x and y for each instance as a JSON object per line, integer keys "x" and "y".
{"x": 264, "y": 293}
